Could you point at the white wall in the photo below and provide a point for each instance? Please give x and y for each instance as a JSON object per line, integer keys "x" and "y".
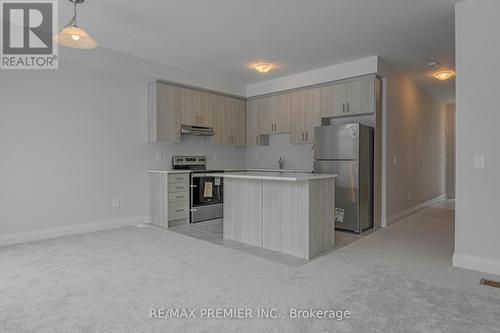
{"x": 415, "y": 136}
{"x": 73, "y": 139}
{"x": 477, "y": 226}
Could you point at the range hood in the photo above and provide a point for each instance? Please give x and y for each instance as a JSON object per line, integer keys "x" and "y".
{"x": 197, "y": 130}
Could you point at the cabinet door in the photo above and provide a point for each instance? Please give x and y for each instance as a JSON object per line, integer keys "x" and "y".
{"x": 280, "y": 110}
{"x": 360, "y": 96}
{"x": 168, "y": 113}
{"x": 186, "y": 104}
{"x": 237, "y": 123}
{"x": 252, "y": 122}
{"x": 219, "y": 112}
{"x": 202, "y": 109}
{"x": 297, "y": 107}
{"x": 266, "y": 124}
{"x": 333, "y": 99}
{"x": 305, "y": 115}
{"x": 312, "y": 113}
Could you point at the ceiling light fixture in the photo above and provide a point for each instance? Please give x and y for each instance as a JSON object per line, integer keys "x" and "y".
{"x": 444, "y": 75}
{"x": 263, "y": 68}
{"x": 73, "y": 36}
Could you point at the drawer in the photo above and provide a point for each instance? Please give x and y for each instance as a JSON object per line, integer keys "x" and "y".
{"x": 178, "y": 178}
{"x": 180, "y": 187}
{"x": 178, "y": 210}
{"x": 178, "y": 196}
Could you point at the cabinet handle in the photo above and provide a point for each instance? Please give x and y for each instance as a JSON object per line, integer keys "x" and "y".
{"x": 347, "y": 107}
{"x": 179, "y": 187}
{"x": 257, "y": 139}
{"x": 306, "y": 135}
{"x": 302, "y": 136}
{"x": 179, "y": 210}
{"x": 343, "y": 107}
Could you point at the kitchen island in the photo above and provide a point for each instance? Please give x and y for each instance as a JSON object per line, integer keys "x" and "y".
{"x": 291, "y": 213}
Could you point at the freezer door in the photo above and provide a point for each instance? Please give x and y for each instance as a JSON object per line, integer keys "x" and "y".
{"x": 339, "y": 142}
{"x": 346, "y": 192}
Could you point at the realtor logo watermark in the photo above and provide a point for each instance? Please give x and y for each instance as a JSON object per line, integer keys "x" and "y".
{"x": 27, "y": 34}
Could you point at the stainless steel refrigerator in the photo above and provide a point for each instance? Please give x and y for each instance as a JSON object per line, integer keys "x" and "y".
{"x": 347, "y": 150}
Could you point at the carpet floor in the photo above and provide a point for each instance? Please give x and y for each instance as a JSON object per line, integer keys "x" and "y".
{"x": 397, "y": 279}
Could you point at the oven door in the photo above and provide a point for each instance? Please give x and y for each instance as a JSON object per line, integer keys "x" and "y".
{"x": 206, "y": 197}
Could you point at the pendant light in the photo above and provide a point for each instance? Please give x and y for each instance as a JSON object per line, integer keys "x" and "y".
{"x": 73, "y": 36}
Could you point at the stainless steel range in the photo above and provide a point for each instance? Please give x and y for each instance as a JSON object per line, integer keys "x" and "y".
{"x": 206, "y": 192}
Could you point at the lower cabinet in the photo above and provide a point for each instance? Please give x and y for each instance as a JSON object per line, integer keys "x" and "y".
{"x": 169, "y": 198}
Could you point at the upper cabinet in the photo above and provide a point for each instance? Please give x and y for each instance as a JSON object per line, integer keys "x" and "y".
{"x": 239, "y": 123}
{"x": 305, "y": 115}
{"x": 348, "y": 98}
{"x": 274, "y": 113}
{"x": 361, "y": 96}
{"x": 196, "y": 108}
{"x": 253, "y": 136}
{"x": 171, "y": 106}
{"x": 164, "y": 113}
{"x": 229, "y": 121}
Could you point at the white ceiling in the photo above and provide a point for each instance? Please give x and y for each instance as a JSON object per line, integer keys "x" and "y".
{"x": 221, "y": 38}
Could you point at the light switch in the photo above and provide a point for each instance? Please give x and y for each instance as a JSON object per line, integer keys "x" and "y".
{"x": 479, "y": 162}
{"x": 394, "y": 161}
{"x": 158, "y": 156}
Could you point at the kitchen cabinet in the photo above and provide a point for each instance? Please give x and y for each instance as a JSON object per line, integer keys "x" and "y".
{"x": 348, "y": 98}
{"x": 236, "y": 117}
{"x": 305, "y": 115}
{"x": 361, "y": 96}
{"x": 253, "y": 137}
{"x": 274, "y": 114}
{"x": 229, "y": 121}
{"x": 196, "y": 108}
{"x": 171, "y": 106}
{"x": 333, "y": 99}
{"x": 164, "y": 113}
{"x": 169, "y": 198}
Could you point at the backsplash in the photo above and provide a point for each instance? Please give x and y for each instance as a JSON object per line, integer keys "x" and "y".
{"x": 296, "y": 156}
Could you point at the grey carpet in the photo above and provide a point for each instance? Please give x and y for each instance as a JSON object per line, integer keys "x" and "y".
{"x": 397, "y": 279}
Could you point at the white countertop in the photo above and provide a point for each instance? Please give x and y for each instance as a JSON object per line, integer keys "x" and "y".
{"x": 168, "y": 171}
{"x": 233, "y": 170}
{"x": 283, "y": 176}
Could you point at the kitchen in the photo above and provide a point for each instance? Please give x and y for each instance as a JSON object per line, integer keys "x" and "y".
{"x": 284, "y": 157}
{"x": 189, "y": 193}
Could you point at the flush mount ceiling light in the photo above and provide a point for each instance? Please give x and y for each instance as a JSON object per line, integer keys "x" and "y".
{"x": 263, "y": 68}
{"x": 73, "y": 36}
{"x": 444, "y": 75}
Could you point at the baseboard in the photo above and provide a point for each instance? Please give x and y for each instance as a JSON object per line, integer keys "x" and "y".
{"x": 480, "y": 264}
{"x": 410, "y": 211}
{"x": 29, "y": 236}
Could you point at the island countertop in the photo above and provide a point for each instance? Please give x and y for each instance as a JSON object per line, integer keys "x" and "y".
{"x": 280, "y": 176}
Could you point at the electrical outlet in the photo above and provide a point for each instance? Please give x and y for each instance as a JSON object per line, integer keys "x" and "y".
{"x": 158, "y": 156}
{"x": 115, "y": 202}
{"x": 394, "y": 161}
{"x": 214, "y": 156}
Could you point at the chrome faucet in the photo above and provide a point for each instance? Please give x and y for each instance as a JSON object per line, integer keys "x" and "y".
{"x": 281, "y": 162}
